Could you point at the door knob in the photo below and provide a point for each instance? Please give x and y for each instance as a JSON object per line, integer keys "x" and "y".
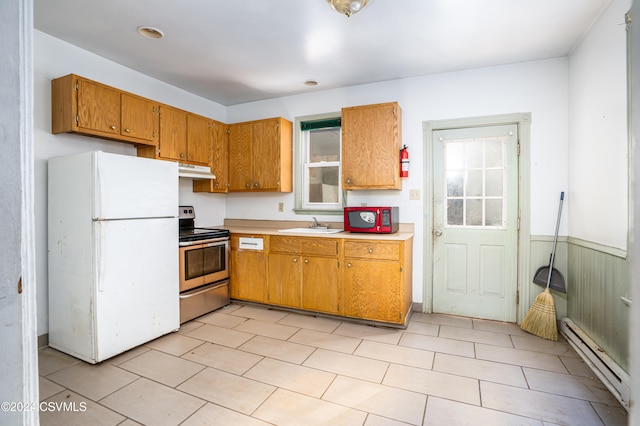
{"x": 438, "y": 233}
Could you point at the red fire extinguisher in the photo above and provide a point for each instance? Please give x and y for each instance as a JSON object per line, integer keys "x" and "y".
{"x": 404, "y": 162}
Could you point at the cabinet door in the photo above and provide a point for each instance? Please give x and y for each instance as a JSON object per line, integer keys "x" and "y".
{"x": 284, "y": 280}
{"x": 266, "y": 155}
{"x": 247, "y": 275}
{"x": 371, "y": 147}
{"x": 139, "y": 117}
{"x": 173, "y": 133}
{"x": 373, "y": 290}
{"x": 220, "y": 157}
{"x": 199, "y": 139}
{"x": 320, "y": 284}
{"x": 98, "y": 107}
{"x": 240, "y": 157}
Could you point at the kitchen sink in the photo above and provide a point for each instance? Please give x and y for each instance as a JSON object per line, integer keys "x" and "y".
{"x": 320, "y": 230}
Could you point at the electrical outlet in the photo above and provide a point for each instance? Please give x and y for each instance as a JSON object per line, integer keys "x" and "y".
{"x": 280, "y": 207}
{"x": 414, "y": 194}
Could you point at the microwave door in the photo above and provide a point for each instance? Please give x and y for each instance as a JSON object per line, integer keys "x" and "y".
{"x": 362, "y": 219}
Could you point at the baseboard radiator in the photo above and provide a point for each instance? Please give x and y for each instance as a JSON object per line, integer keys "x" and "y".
{"x": 608, "y": 371}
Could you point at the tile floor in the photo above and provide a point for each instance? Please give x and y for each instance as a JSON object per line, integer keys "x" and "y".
{"x": 246, "y": 365}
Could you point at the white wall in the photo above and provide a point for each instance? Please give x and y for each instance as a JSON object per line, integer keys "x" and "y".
{"x": 598, "y": 142}
{"x": 537, "y": 87}
{"x": 54, "y": 58}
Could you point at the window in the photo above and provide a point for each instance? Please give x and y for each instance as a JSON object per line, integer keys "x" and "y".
{"x": 319, "y": 168}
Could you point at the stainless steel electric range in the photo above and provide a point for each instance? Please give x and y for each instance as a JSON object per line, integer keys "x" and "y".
{"x": 204, "y": 267}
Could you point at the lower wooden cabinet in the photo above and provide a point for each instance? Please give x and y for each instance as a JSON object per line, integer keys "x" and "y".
{"x": 377, "y": 280}
{"x": 283, "y": 283}
{"x": 321, "y": 284}
{"x": 365, "y": 279}
{"x": 248, "y": 271}
{"x": 304, "y": 273}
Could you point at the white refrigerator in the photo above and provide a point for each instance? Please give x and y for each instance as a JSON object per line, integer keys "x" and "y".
{"x": 113, "y": 253}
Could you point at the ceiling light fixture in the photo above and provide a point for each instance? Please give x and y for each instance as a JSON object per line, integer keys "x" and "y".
{"x": 150, "y": 32}
{"x": 310, "y": 83}
{"x": 348, "y": 7}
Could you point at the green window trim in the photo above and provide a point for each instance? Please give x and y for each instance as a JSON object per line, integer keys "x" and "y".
{"x": 320, "y": 124}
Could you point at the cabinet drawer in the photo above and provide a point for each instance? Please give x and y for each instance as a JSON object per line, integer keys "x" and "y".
{"x": 372, "y": 250}
{"x": 284, "y": 244}
{"x": 319, "y": 246}
{"x": 301, "y": 245}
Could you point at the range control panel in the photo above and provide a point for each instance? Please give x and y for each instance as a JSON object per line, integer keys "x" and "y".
{"x": 186, "y": 212}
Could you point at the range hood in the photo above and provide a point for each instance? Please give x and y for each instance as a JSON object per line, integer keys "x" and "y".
{"x": 194, "y": 172}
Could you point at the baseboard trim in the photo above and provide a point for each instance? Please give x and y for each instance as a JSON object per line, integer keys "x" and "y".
{"x": 43, "y": 341}
{"x": 608, "y": 371}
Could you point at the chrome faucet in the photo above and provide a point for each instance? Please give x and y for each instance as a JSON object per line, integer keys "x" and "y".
{"x": 317, "y": 225}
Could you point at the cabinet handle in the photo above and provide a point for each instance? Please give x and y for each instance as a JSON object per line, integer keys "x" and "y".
{"x": 348, "y": 180}
{"x": 295, "y": 260}
{"x": 370, "y": 250}
{"x": 348, "y": 265}
{"x": 127, "y": 130}
{"x": 247, "y": 185}
{"x": 181, "y": 155}
{"x": 306, "y": 261}
{"x": 256, "y": 185}
{"x": 113, "y": 127}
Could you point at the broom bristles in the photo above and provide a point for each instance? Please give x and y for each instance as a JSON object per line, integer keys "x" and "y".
{"x": 541, "y": 318}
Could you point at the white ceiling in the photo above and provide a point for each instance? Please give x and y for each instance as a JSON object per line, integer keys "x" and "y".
{"x": 237, "y": 51}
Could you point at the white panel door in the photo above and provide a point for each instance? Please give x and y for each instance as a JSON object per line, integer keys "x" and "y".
{"x": 475, "y": 217}
{"x": 136, "y": 283}
{"x": 132, "y": 187}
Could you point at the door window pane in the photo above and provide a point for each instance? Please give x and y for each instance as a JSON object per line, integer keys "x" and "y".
{"x": 454, "y": 155}
{"x": 494, "y": 183}
{"x": 455, "y": 181}
{"x": 474, "y": 183}
{"x": 493, "y": 212}
{"x": 454, "y": 212}
{"x": 493, "y": 154}
{"x": 474, "y": 212}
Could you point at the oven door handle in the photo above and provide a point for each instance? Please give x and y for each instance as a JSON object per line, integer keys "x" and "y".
{"x": 203, "y": 242}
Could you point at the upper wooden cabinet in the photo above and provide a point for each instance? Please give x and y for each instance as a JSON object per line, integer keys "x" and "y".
{"x": 83, "y": 106}
{"x": 172, "y": 144}
{"x": 183, "y": 137}
{"x": 220, "y": 166}
{"x": 199, "y": 139}
{"x": 371, "y": 137}
{"x": 260, "y": 156}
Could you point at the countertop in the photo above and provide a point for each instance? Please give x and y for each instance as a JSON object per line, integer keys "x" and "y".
{"x": 273, "y": 227}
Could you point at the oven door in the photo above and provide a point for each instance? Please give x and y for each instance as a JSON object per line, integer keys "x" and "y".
{"x": 203, "y": 263}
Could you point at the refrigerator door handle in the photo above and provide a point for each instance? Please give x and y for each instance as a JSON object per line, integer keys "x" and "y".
{"x": 99, "y": 253}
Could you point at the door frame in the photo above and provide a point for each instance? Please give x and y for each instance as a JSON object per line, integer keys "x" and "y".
{"x": 523, "y": 121}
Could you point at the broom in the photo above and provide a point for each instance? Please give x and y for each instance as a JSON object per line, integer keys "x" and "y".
{"x": 541, "y": 318}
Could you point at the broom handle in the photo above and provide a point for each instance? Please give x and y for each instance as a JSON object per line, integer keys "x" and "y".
{"x": 555, "y": 240}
